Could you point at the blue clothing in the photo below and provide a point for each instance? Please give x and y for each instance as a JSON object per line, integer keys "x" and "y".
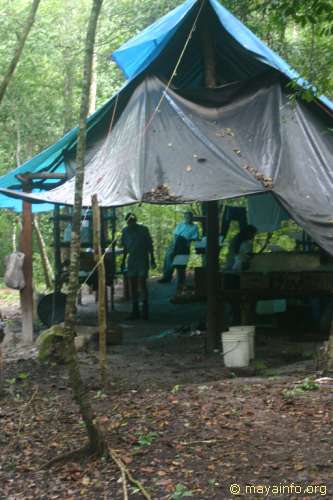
{"x": 184, "y": 233}
{"x": 187, "y": 230}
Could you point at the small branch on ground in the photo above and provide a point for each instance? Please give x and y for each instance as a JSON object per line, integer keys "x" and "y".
{"x": 206, "y": 441}
{"x": 125, "y": 472}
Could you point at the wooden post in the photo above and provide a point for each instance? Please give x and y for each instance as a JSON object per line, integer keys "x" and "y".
{"x": 212, "y": 275}
{"x": 57, "y": 251}
{"x": 113, "y": 250}
{"x": 212, "y": 226}
{"x": 102, "y": 319}
{"x": 26, "y": 295}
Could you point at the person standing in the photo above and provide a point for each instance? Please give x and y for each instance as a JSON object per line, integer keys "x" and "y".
{"x": 241, "y": 250}
{"x": 183, "y": 234}
{"x": 139, "y": 255}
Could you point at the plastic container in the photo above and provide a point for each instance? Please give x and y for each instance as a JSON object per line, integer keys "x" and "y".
{"x": 236, "y": 349}
{"x": 250, "y": 330}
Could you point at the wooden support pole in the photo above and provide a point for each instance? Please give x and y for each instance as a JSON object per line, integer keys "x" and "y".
{"x": 113, "y": 250}
{"x": 57, "y": 251}
{"x": 213, "y": 320}
{"x": 102, "y": 316}
{"x": 26, "y": 295}
{"x": 212, "y": 226}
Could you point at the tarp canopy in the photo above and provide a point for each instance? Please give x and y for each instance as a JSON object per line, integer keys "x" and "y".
{"x": 239, "y": 53}
{"x": 240, "y": 56}
{"x": 59, "y": 157}
{"x": 177, "y": 143}
{"x": 241, "y": 139}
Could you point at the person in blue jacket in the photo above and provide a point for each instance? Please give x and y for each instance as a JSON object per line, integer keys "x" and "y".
{"x": 183, "y": 235}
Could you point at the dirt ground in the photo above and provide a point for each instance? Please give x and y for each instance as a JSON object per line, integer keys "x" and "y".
{"x": 183, "y": 424}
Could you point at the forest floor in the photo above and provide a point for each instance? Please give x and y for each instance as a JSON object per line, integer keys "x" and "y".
{"x": 182, "y": 423}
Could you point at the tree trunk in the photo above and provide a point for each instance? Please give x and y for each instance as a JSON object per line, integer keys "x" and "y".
{"x": 14, "y": 237}
{"x": 19, "y": 49}
{"x": 69, "y": 61}
{"x": 97, "y": 443}
{"x": 93, "y": 86}
{"x": 18, "y": 137}
{"x": 68, "y": 90}
{"x": 102, "y": 323}
{"x": 47, "y": 268}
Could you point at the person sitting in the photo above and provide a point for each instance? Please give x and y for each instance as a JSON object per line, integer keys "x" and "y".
{"x": 176, "y": 256}
{"x": 139, "y": 254}
{"x": 241, "y": 250}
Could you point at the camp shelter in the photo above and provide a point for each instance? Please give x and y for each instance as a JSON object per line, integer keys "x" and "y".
{"x": 206, "y": 114}
{"x": 174, "y": 51}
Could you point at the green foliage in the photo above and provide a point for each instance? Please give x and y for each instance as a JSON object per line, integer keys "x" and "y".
{"x": 308, "y": 384}
{"x": 147, "y": 439}
{"x": 42, "y": 100}
{"x": 175, "y": 389}
{"x": 300, "y": 31}
{"x": 181, "y": 492}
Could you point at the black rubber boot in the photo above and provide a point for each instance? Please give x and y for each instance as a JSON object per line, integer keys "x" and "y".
{"x": 145, "y": 310}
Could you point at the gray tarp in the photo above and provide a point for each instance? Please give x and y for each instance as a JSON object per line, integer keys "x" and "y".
{"x": 221, "y": 144}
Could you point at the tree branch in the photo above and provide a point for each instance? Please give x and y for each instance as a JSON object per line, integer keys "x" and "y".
{"x": 19, "y": 48}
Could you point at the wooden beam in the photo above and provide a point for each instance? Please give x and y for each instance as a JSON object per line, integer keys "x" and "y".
{"x": 213, "y": 319}
{"x": 57, "y": 251}
{"x": 113, "y": 250}
{"x": 212, "y": 226}
{"x": 38, "y": 185}
{"x": 29, "y": 176}
{"x": 26, "y": 295}
{"x": 102, "y": 317}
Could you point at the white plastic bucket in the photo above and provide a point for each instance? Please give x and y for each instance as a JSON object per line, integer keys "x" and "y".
{"x": 236, "y": 351}
{"x": 250, "y": 330}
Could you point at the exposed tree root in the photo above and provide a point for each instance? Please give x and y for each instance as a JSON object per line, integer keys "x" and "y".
{"x": 84, "y": 452}
{"x": 87, "y": 452}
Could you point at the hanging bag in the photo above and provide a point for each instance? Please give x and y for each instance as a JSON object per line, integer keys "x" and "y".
{"x": 14, "y": 277}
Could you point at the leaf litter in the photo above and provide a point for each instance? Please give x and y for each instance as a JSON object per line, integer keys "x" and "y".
{"x": 193, "y": 439}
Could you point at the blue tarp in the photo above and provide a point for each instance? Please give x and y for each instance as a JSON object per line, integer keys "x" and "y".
{"x": 36, "y": 164}
{"x": 240, "y": 55}
{"x": 53, "y": 155}
{"x": 141, "y": 51}
{"x": 136, "y": 55}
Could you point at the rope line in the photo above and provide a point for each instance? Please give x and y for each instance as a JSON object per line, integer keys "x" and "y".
{"x": 97, "y": 264}
{"x": 174, "y": 73}
{"x": 148, "y": 124}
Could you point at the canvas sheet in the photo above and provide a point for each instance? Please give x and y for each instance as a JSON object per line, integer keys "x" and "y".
{"x": 234, "y": 141}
